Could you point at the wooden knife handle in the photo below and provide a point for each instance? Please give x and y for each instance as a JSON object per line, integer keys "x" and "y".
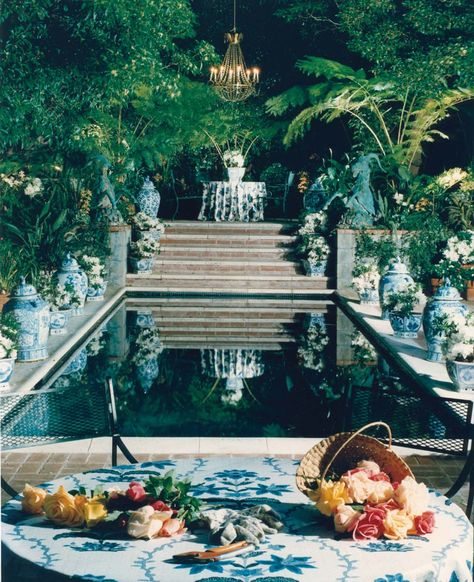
{"x": 226, "y": 549}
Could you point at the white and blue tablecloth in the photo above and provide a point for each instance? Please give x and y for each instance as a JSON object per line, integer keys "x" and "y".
{"x": 305, "y": 551}
{"x": 233, "y": 201}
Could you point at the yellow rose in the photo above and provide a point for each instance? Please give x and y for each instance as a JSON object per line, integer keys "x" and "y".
{"x": 61, "y": 508}
{"x": 329, "y": 495}
{"x": 397, "y": 524}
{"x": 413, "y": 497}
{"x": 33, "y": 498}
{"x": 94, "y": 511}
{"x": 381, "y": 492}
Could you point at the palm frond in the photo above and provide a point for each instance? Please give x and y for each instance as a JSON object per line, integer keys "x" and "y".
{"x": 328, "y": 69}
{"x": 294, "y": 97}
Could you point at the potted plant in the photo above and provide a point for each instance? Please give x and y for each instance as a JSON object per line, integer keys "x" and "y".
{"x": 458, "y": 262}
{"x": 234, "y": 152}
{"x": 145, "y": 226}
{"x": 142, "y": 253}
{"x": 95, "y": 271}
{"x": 400, "y": 305}
{"x": 458, "y": 349}
{"x": 8, "y": 348}
{"x": 365, "y": 280}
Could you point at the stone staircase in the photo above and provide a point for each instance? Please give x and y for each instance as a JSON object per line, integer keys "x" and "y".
{"x": 269, "y": 324}
{"x": 228, "y": 258}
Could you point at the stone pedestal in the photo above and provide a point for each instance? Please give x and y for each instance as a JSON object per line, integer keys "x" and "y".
{"x": 117, "y": 261}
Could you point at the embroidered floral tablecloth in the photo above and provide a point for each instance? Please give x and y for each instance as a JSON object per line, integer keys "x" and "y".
{"x": 305, "y": 551}
{"x": 233, "y": 201}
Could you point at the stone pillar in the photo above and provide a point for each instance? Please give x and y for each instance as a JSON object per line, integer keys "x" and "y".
{"x": 346, "y": 243}
{"x": 118, "y": 345}
{"x": 117, "y": 261}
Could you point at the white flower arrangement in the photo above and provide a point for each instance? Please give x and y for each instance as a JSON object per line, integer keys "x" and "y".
{"x": 364, "y": 351}
{"x": 404, "y": 299}
{"x": 97, "y": 344}
{"x": 94, "y": 270}
{"x": 316, "y": 249}
{"x": 233, "y": 159}
{"x": 313, "y": 223}
{"x": 459, "y": 343}
{"x": 144, "y": 248}
{"x": 460, "y": 248}
{"x": 451, "y": 177}
{"x": 142, "y": 221}
{"x": 365, "y": 277}
{"x": 235, "y": 151}
{"x": 147, "y": 344}
{"x": 312, "y": 346}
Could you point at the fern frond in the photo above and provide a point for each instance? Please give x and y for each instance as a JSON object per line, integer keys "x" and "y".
{"x": 294, "y": 97}
{"x": 328, "y": 69}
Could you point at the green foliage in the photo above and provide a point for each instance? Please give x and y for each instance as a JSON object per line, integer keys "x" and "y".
{"x": 381, "y": 249}
{"x": 174, "y": 493}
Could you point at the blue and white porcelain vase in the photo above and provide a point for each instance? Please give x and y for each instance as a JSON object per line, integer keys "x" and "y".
{"x": 33, "y": 316}
{"x": 445, "y": 301}
{"x": 77, "y": 364}
{"x": 96, "y": 293}
{"x": 316, "y": 269}
{"x": 395, "y": 278}
{"x": 71, "y": 274}
{"x": 461, "y": 374}
{"x": 142, "y": 265}
{"x": 405, "y": 326}
{"x": 58, "y": 322}
{"x": 148, "y": 199}
{"x": 369, "y": 297}
{"x": 6, "y": 371}
{"x": 142, "y": 318}
{"x": 147, "y": 371}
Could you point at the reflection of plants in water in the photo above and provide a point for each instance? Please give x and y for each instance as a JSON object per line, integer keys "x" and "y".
{"x": 364, "y": 351}
{"x": 312, "y": 347}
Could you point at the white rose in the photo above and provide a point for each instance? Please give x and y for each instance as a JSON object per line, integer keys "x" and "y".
{"x": 146, "y": 522}
{"x": 345, "y": 517}
{"x": 413, "y": 497}
{"x": 370, "y": 467}
{"x": 382, "y": 491}
{"x": 359, "y": 486}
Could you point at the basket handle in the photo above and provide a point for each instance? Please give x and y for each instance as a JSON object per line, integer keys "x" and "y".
{"x": 353, "y": 435}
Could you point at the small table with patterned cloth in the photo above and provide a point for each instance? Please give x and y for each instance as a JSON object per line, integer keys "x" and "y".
{"x": 233, "y": 201}
{"x": 304, "y": 550}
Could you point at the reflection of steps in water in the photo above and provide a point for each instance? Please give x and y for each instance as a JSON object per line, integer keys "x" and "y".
{"x": 244, "y": 258}
{"x": 219, "y": 322}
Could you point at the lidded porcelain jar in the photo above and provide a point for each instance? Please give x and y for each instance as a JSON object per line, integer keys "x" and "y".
{"x": 70, "y": 274}
{"x": 395, "y": 278}
{"x": 33, "y": 316}
{"x": 148, "y": 199}
{"x": 445, "y": 301}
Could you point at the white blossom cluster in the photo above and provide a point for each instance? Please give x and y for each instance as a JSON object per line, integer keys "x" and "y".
{"x": 34, "y": 187}
{"x": 459, "y": 250}
{"x": 317, "y": 249}
{"x": 310, "y": 352}
{"x": 145, "y": 248}
{"x": 404, "y": 298}
{"x": 233, "y": 159}
{"x": 97, "y": 344}
{"x": 363, "y": 349}
{"x": 459, "y": 345}
{"x": 7, "y": 347}
{"x": 147, "y": 344}
{"x": 312, "y": 223}
{"x": 14, "y": 180}
{"x": 367, "y": 279}
{"x": 94, "y": 270}
{"x": 144, "y": 222}
{"x": 451, "y": 177}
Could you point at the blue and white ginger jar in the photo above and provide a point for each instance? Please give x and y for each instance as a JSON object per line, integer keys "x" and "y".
{"x": 33, "y": 317}
{"x": 395, "y": 278}
{"x": 148, "y": 199}
{"x": 6, "y": 371}
{"x": 445, "y": 301}
{"x": 71, "y": 273}
{"x": 147, "y": 371}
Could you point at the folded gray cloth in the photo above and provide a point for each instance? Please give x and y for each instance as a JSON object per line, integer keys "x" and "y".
{"x": 227, "y": 525}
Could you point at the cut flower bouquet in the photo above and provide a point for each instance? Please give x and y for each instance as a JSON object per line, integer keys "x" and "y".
{"x": 160, "y": 507}
{"x": 366, "y": 504}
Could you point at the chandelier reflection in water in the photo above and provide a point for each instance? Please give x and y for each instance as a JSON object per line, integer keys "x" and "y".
{"x": 233, "y": 81}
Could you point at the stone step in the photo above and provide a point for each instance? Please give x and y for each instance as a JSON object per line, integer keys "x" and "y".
{"x": 222, "y": 269}
{"x": 197, "y": 343}
{"x": 230, "y": 242}
{"x": 231, "y": 279}
{"x": 250, "y": 253}
{"x": 189, "y": 227}
{"x": 224, "y": 331}
{"x": 229, "y": 304}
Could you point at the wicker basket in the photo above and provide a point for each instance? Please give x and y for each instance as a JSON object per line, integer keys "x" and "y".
{"x": 343, "y": 451}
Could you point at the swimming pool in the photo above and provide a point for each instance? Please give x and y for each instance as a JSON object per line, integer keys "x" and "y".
{"x": 224, "y": 368}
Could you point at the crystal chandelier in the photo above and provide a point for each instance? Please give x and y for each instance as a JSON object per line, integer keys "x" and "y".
{"x": 232, "y": 80}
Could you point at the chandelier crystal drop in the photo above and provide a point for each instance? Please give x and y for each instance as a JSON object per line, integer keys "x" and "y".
{"x": 232, "y": 80}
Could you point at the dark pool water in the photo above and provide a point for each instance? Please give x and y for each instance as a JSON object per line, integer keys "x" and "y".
{"x": 310, "y": 375}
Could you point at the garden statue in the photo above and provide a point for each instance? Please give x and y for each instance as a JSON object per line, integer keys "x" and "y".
{"x": 315, "y": 196}
{"x": 108, "y": 198}
{"x": 360, "y": 201}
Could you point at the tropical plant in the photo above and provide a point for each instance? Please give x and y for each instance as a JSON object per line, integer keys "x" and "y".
{"x": 397, "y": 123}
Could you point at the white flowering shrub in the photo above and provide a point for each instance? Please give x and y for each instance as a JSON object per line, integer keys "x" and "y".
{"x": 313, "y": 223}
{"x": 147, "y": 344}
{"x": 316, "y": 249}
{"x": 8, "y": 337}
{"x": 145, "y": 248}
{"x": 460, "y": 248}
{"x": 365, "y": 276}
{"x": 94, "y": 269}
{"x": 310, "y": 352}
{"x": 142, "y": 221}
{"x": 404, "y": 299}
{"x": 459, "y": 335}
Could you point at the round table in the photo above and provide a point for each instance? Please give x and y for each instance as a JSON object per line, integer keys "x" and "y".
{"x": 305, "y": 550}
{"x": 233, "y": 201}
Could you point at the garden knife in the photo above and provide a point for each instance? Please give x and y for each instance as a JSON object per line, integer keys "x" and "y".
{"x": 212, "y": 555}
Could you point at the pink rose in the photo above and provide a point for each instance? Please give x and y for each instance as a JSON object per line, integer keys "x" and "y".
{"x": 380, "y": 477}
{"x": 353, "y": 472}
{"x": 425, "y": 522}
{"x": 172, "y": 527}
{"x": 136, "y": 492}
{"x": 345, "y": 518}
{"x": 388, "y": 505}
{"x": 160, "y": 506}
{"x": 369, "y": 526}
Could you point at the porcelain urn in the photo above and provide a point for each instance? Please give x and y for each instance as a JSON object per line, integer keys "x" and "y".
{"x": 148, "y": 199}
{"x": 71, "y": 275}
{"x": 395, "y": 278}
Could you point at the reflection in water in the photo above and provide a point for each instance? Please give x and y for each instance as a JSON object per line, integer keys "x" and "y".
{"x": 324, "y": 379}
